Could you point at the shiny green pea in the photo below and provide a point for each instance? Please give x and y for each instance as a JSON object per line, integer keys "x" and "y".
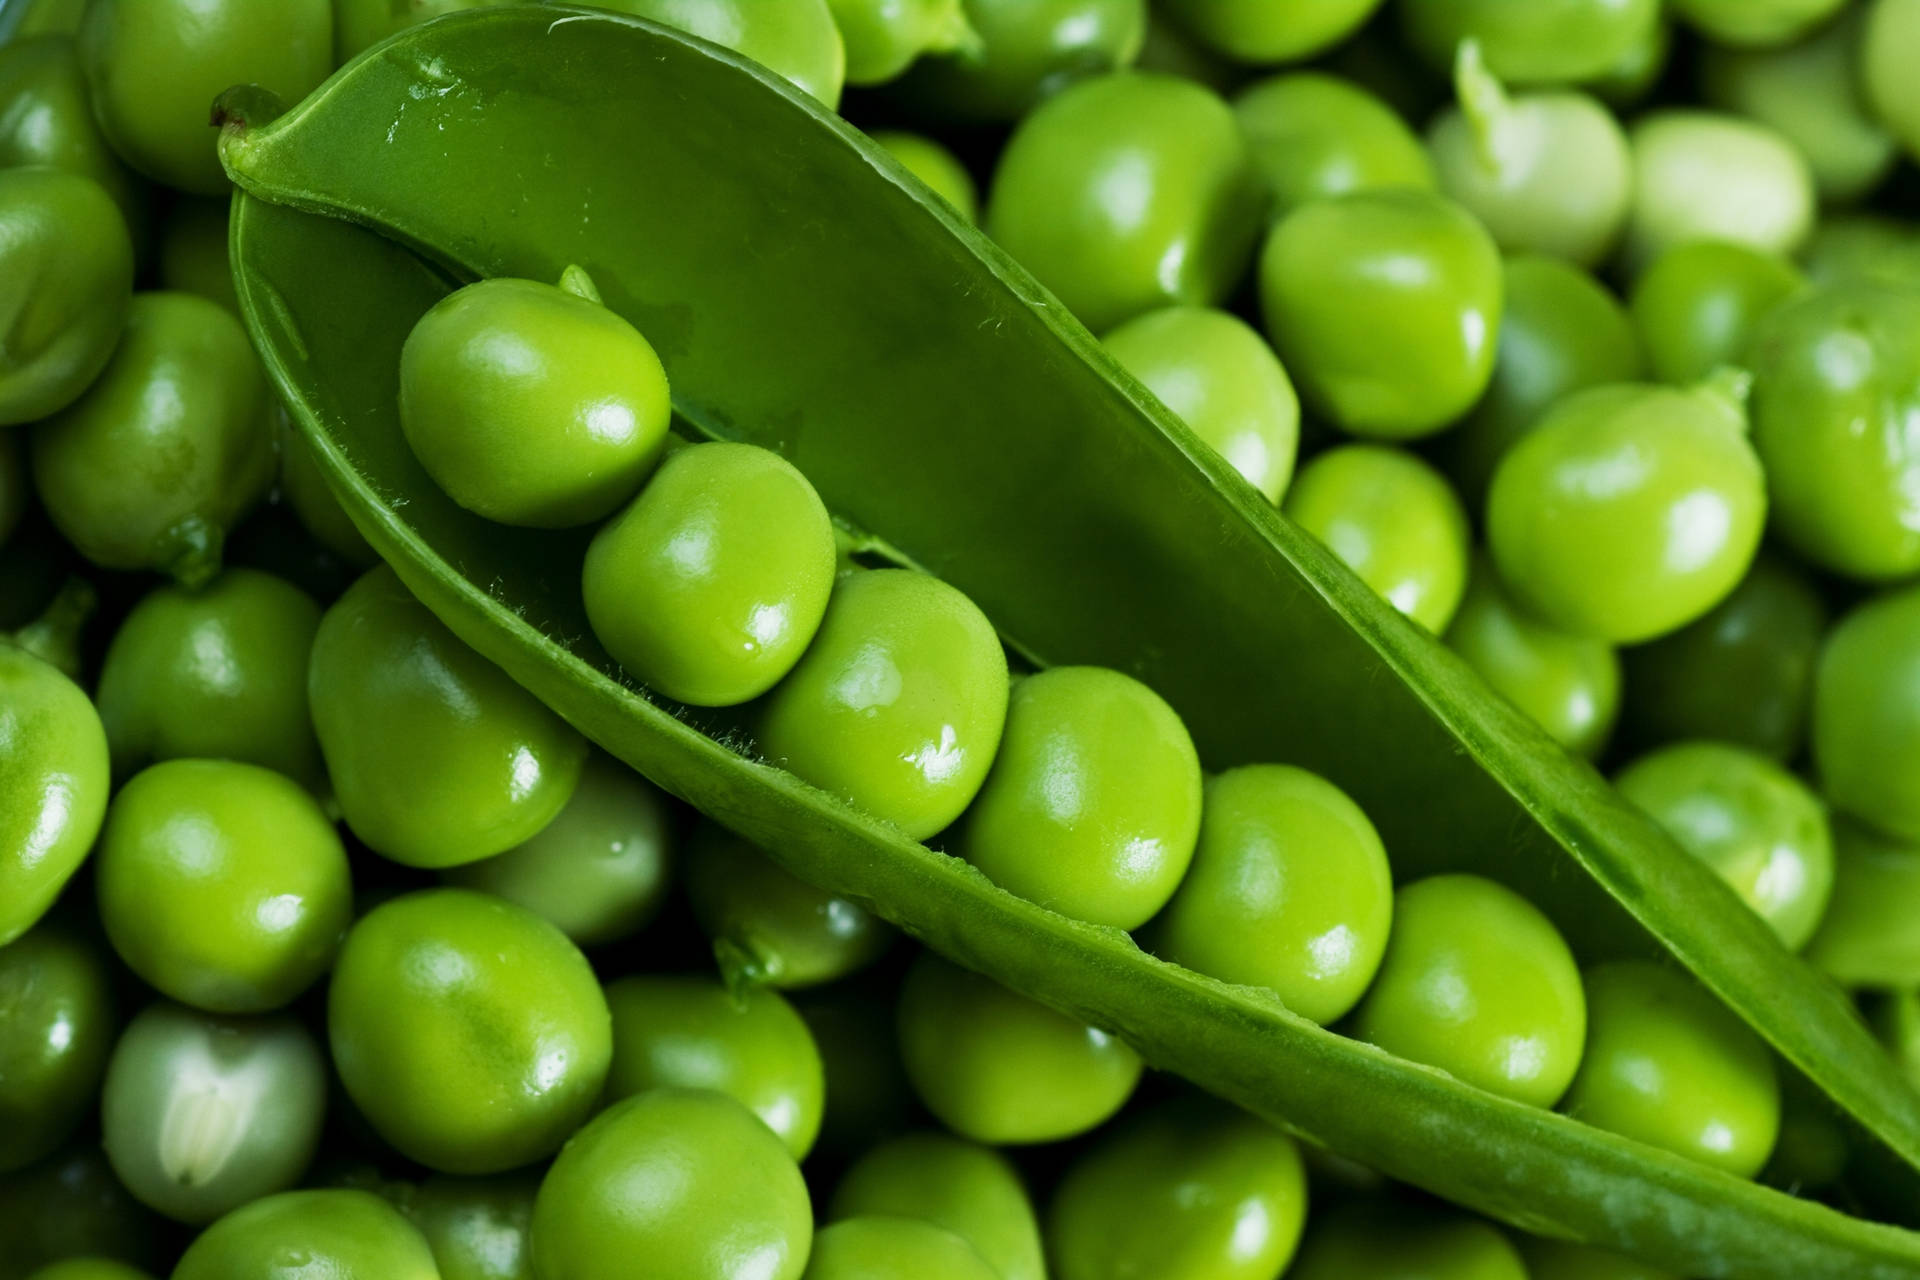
{"x": 1192, "y": 1190}
{"x": 996, "y": 1067}
{"x": 1668, "y": 1065}
{"x": 1314, "y": 135}
{"x": 711, "y": 584}
{"x": 1092, "y": 807}
{"x": 56, "y": 1025}
{"x": 1559, "y": 1260}
{"x": 155, "y": 67}
{"x": 878, "y": 1248}
{"x": 1870, "y": 936}
{"x": 1531, "y": 41}
{"x": 54, "y": 779}
{"x": 343, "y": 1235}
{"x": 1897, "y": 1021}
{"x": 1630, "y": 80}
{"x": 934, "y": 165}
{"x": 1866, "y": 713}
{"x": 1271, "y": 33}
{"x": 1217, "y": 375}
{"x": 1385, "y": 307}
{"x": 868, "y": 1096}
{"x": 767, "y": 926}
{"x": 1699, "y": 303}
{"x": 1128, "y": 192}
{"x": 1476, "y": 981}
{"x": 884, "y": 37}
{"x": 898, "y": 704}
{"x": 1027, "y": 51}
{"x": 470, "y": 1032}
{"x": 193, "y": 251}
{"x": 1755, "y": 23}
{"x": 167, "y": 449}
{"x": 692, "y": 1033}
{"x": 47, "y": 119}
{"x": 1394, "y": 520}
{"x": 304, "y": 489}
{"x": 1891, "y": 44}
{"x": 1367, "y": 1241}
{"x": 1872, "y": 246}
{"x": 437, "y": 758}
{"x": 201, "y": 1114}
{"x": 71, "y": 1205}
{"x": 971, "y": 1190}
{"x": 219, "y": 673}
{"x": 795, "y": 39}
{"x": 1706, "y": 175}
{"x": 1289, "y": 890}
{"x": 89, "y": 1269}
{"x": 360, "y": 24}
{"x": 687, "y": 1179}
{"x": 478, "y": 1227}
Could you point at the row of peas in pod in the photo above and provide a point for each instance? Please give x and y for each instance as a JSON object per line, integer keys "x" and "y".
{"x": 1435, "y": 298}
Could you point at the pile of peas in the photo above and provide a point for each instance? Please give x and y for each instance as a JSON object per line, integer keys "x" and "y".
{"x": 1586, "y": 333}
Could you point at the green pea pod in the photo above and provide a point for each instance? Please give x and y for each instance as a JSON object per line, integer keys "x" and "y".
{"x": 805, "y": 294}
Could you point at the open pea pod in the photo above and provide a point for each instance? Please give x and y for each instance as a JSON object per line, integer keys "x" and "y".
{"x": 805, "y": 294}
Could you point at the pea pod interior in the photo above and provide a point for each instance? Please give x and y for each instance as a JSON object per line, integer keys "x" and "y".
{"x": 806, "y": 295}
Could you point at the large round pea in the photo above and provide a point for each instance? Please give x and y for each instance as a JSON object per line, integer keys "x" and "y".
{"x": 1480, "y": 984}
{"x": 1532, "y": 41}
{"x": 1837, "y": 385}
{"x": 934, "y": 165}
{"x": 89, "y": 1269}
{"x": 1568, "y": 684}
{"x": 1662, "y": 479}
{"x": 599, "y": 871}
{"x": 71, "y": 1205}
{"x": 1669, "y": 1065}
{"x": 1891, "y": 43}
{"x": 532, "y": 404}
{"x": 1218, "y": 376}
{"x": 54, "y": 780}
{"x": 1870, "y": 936}
{"x": 768, "y": 926}
{"x": 1755, "y": 23}
{"x": 47, "y": 119}
{"x": 1698, "y": 305}
{"x": 710, "y": 585}
{"x": 222, "y": 884}
{"x": 1193, "y": 1190}
{"x": 1704, "y": 175}
{"x": 167, "y": 449}
{"x": 218, "y": 673}
{"x": 437, "y": 758}
{"x": 898, "y": 704}
{"x": 1385, "y": 308}
{"x": 56, "y": 1025}
{"x": 469, "y": 1032}
{"x": 1403, "y": 1242}
{"x": 360, "y": 24}
{"x": 996, "y": 1067}
{"x": 794, "y": 39}
{"x": 688, "y": 1180}
{"x": 1025, "y": 51}
{"x": 1559, "y": 1260}
{"x": 1394, "y": 521}
{"x": 1271, "y": 33}
{"x": 1866, "y": 713}
{"x": 66, "y": 279}
{"x": 343, "y": 1235}
{"x": 884, "y": 37}
{"x": 1314, "y": 134}
{"x": 478, "y": 1227}
{"x": 971, "y": 1190}
{"x": 1755, "y": 824}
{"x": 879, "y": 1248}
{"x": 1289, "y": 890}
{"x": 1128, "y": 192}
{"x": 692, "y": 1033}
{"x": 1093, "y": 803}
{"x": 155, "y": 67}
{"x": 201, "y": 1114}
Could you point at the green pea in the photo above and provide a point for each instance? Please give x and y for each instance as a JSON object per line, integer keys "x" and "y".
{"x": 1384, "y": 306}
{"x": 1896, "y": 1019}
{"x": 1560, "y": 330}
{"x": 437, "y": 758}
{"x": 70, "y": 1206}
{"x": 884, "y": 37}
{"x": 1755, "y": 824}
{"x": 1706, "y": 175}
{"x": 193, "y": 251}
{"x": 1755, "y": 23}
{"x": 53, "y": 786}
{"x": 1870, "y": 936}
{"x": 898, "y": 704}
{"x": 692, "y": 1033}
{"x": 1863, "y": 245}
{"x": 1640, "y": 69}
{"x": 1402, "y": 1242}
{"x": 477, "y": 1227}
{"x": 361, "y": 24}
{"x": 879, "y": 1248}
{"x": 599, "y": 871}
{"x": 1559, "y": 1260}
{"x": 1394, "y": 521}
{"x": 1679, "y": 511}
{"x": 89, "y": 1269}
{"x": 1888, "y": 50}
{"x": 1315, "y": 135}
{"x": 996, "y": 1067}
{"x": 1216, "y": 374}
{"x": 1668, "y": 1065}
{"x": 1742, "y": 674}
{"x": 1814, "y": 1147}
{"x": 1172, "y": 49}
{"x": 1271, "y": 33}
{"x": 470, "y": 1032}
{"x": 1027, "y": 51}
{"x": 1531, "y": 41}
{"x": 304, "y": 489}
{"x": 1866, "y": 713}
{"x": 686, "y": 1179}
{"x": 1476, "y": 981}
{"x": 155, "y": 67}
{"x": 794, "y": 39}
{"x": 1810, "y": 93}
{"x": 201, "y": 1114}
{"x": 344, "y": 1235}
{"x": 971, "y": 1190}
{"x": 868, "y": 1096}
{"x": 56, "y": 1025}
{"x": 1699, "y": 303}
{"x": 934, "y": 165}
{"x": 770, "y": 928}
{"x": 218, "y": 673}
{"x": 1289, "y": 890}
{"x": 1544, "y": 172}
{"x": 1192, "y": 1190}
{"x": 1093, "y": 803}
{"x": 711, "y": 584}
{"x": 46, "y": 119}
{"x": 1838, "y": 382}
{"x": 167, "y": 449}
{"x": 1128, "y": 192}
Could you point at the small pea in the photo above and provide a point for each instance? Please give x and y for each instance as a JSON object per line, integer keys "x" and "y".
{"x": 1866, "y": 713}
{"x": 1896, "y": 1020}
{"x": 89, "y": 1269}
{"x": 1887, "y": 53}
{"x": 73, "y": 1205}
{"x": 58, "y": 996}
{"x": 878, "y": 1247}
{"x": 1533, "y": 41}
{"x": 46, "y": 118}
{"x": 971, "y": 1190}
{"x": 934, "y": 165}
{"x": 1870, "y": 935}
{"x": 1027, "y": 51}
{"x": 794, "y": 39}
{"x": 1699, "y": 304}
{"x": 1404, "y": 1242}
{"x": 54, "y": 781}
{"x": 353, "y": 1235}
{"x": 884, "y": 37}
{"x": 1705, "y": 175}
{"x": 1315, "y": 134}
{"x": 1267, "y": 33}
{"x": 478, "y": 1227}
{"x": 1755, "y": 23}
